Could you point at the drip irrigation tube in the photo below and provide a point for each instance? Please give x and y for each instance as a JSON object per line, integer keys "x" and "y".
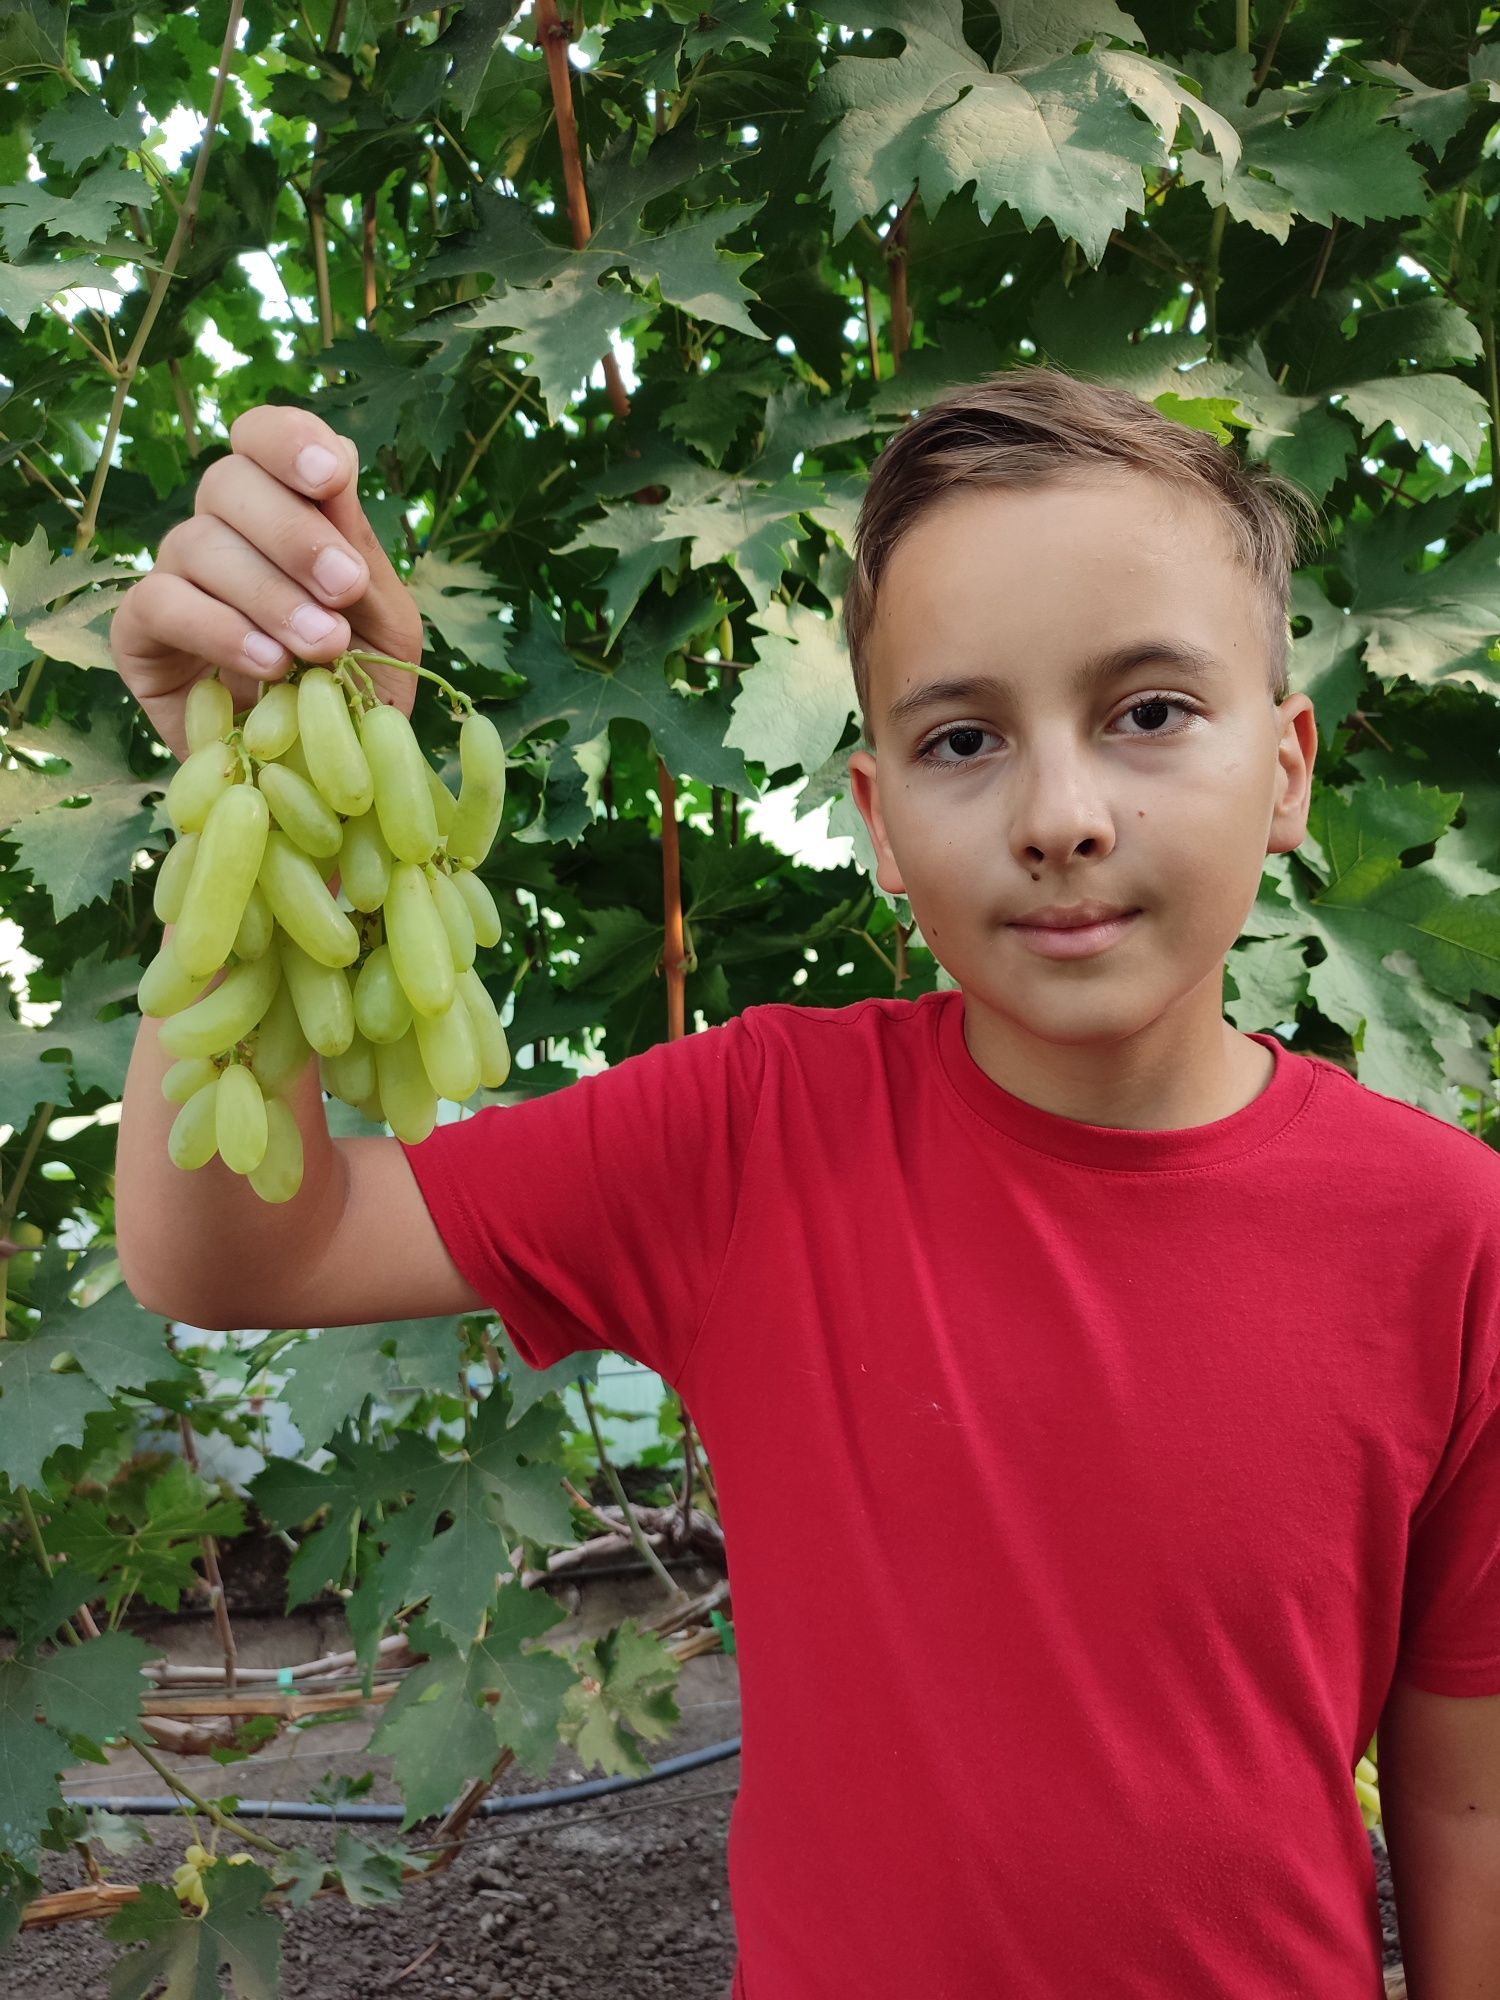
{"x": 366, "y": 1815}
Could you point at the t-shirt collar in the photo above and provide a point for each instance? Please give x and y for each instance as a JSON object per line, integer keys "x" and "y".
{"x": 1110, "y": 1147}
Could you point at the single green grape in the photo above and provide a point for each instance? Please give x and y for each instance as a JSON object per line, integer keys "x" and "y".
{"x": 240, "y": 1120}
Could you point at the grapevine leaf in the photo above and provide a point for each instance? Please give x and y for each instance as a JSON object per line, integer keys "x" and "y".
{"x": 32, "y": 1759}
{"x": 40, "y": 1411}
{"x": 453, "y": 1714}
{"x": 116, "y": 1342}
{"x": 80, "y": 128}
{"x": 1270, "y": 982}
{"x": 98, "y": 1051}
{"x": 793, "y": 709}
{"x": 83, "y": 1693}
{"x": 187, "y": 1951}
{"x": 1434, "y": 115}
{"x": 26, "y": 288}
{"x": 371, "y": 1876}
{"x": 632, "y": 1699}
{"x": 93, "y": 1690}
{"x": 330, "y": 1375}
{"x": 562, "y": 329}
{"x": 1342, "y": 160}
{"x": 78, "y": 853}
{"x": 33, "y": 35}
{"x": 33, "y": 579}
{"x": 529, "y": 1385}
{"x": 26, "y": 1078}
{"x": 88, "y": 213}
{"x": 473, "y": 620}
{"x": 1060, "y": 142}
{"x": 687, "y": 729}
{"x": 1434, "y": 410}
{"x": 147, "y": 1543}
{"x": 435, "y": 1735}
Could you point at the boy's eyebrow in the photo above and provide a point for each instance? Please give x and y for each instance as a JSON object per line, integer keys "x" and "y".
{"x": 1179, "y": 655}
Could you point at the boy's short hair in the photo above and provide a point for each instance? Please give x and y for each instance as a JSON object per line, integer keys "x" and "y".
{"x": 1029, "y": 426}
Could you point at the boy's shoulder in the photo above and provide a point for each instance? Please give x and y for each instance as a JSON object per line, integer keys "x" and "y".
{"x": 1390, "y": 1136}
{"x": 813, "y": 1033}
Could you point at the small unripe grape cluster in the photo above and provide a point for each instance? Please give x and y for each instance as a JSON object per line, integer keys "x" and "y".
{"x": 320, "y": 778}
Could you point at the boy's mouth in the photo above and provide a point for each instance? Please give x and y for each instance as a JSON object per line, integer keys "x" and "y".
{"x": 1074, "y": 933}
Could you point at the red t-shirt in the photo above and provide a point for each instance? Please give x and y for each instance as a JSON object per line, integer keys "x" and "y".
{"x": 1084, "y": 1488}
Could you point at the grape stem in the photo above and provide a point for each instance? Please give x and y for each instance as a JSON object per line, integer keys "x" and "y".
{"x": 357, "y": 656}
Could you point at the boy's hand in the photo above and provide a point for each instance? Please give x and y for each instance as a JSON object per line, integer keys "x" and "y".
{"x": 244, "y": 568}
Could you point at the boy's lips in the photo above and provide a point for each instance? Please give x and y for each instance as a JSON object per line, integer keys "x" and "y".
{"x": 1074, "y": 940}
{"x": 1072, "y": 916}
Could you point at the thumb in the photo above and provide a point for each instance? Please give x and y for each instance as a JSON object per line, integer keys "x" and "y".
{"x": 386, "y": 616}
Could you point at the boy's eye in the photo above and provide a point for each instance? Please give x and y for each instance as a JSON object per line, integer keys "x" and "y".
{"x": 1148, "y": 713}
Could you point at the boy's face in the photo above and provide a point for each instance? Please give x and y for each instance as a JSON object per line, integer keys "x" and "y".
{"x": 1055, "y": 790}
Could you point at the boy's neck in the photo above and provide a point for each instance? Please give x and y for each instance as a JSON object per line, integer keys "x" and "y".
{"x": 1174, "y": 1074}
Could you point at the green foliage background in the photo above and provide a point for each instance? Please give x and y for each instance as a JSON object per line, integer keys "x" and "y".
{"x": 1279, "y": 223}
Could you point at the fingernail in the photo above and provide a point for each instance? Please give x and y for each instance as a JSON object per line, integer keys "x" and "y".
{"x": 336, "y": 572}
{"x": 311, "y": 621}
{"x": 316, "y": 465}
{"x": 263, "y": 649}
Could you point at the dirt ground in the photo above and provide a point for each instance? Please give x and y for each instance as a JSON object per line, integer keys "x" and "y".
{"x": 618, "y": 1898}
{"x": 623, "y": 1895}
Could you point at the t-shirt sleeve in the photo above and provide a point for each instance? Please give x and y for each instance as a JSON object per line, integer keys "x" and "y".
{"x": 1450, "y": 1618}
{"x": 599, "y": 1215}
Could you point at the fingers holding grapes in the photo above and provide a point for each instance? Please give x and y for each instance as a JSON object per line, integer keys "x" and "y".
{"x": 277, "y": 563}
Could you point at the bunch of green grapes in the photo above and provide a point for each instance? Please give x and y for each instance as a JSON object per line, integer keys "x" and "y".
{"x": 321, "y": 779}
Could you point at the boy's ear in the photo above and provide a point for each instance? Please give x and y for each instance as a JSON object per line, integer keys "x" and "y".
{"x": 1296, "y": 753}
{"x": 864, "y": 782}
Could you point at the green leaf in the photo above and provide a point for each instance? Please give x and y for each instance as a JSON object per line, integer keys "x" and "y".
{"x": 632, "y": 1702}
{"x": 331, "y": 1372}
{"x": 116, "y": 1342}
{"x": 40, "y": 1411}
{"x": 446, "y": 1727}
{"x": 26, "y": 1079}
{"x": 370, "y": 1876}
{"x": 78, "y": 853}
{"x": 563, "y": 330}
{"x": 1434, "y": 410}
{"x": 187, "y": 1952}
{"x": 1270, "y": 982}
{"x": 98, "y": 1051}
{"x": 147, "y": 1543}
{"x": 34, "y": 579}
{"x": 475, "y": 623}
{"x": 48, "y": 1702}
{"x": 687, "y": 729}
{"x": 80, "y": 128}
{"x": 26, "y": 288}
{"x": 1060, "y": 142}
{"x": 77, "y": 830}
{"x": 794, "y": 707}
{"x": 1343, "y": 160}
{"x": 33, "y": 36}
{"x": 529, "y": 1385}
{"x": 88, "y": 213}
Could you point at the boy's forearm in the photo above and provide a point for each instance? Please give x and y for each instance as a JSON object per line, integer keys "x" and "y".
{"x": 202, "y": 1246}
{"x": 1445, "y": 1871}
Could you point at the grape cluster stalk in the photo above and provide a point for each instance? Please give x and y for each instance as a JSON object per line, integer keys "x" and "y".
{"x": 321, "y": 780}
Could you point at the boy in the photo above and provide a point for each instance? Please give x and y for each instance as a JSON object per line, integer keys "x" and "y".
{"x": 1104, "y": 1404}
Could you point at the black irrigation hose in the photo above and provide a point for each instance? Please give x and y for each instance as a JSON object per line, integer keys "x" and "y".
{"x": 522, "y": 1802}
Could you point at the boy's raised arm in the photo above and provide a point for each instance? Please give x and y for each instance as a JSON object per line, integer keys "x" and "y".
{"x": 239, "y": 588}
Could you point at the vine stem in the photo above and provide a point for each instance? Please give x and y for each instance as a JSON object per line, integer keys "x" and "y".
{"x": 675, "y": 958}
{"x": 643, "y": 1547}
{"x": 359, "y": 654}
{"x": 215, "y": 1814}
{"x": 186, "y": 223}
